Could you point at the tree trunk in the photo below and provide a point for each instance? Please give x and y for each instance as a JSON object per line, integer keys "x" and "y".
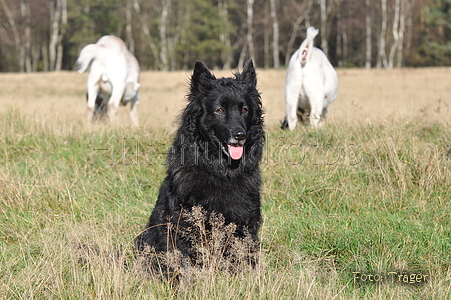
{"x": 45, "y": 57}
{"x": 250, "y": 38}
{"x": 402, "y": 24}
{"x": 55, "y": 10}
{"x": 128, "y": 28}
{"x": 163, "y": 34}
{"x": 275, "y": 39}
{"x": 184, "y": 17}
{"x": 409, "y": 26}
{"x": 293, "y": 38}
{"x": 324, "y": 45}
{"x": 35, "y": 53}
{"x": 266, "y": 34}
{"x": 26, "y": 52}
{"x": 382, "y": 57}
{"x": 13, "y": 26}
{"x": 340, "y": 45}
{"x": 395, "y": 45}
{"x": 147, "y": 35}
{"x": 242, "y": 55}
{"x": 225, "y": 35}
{"x": 368, "y": 35}
{"x": 305, "y": 9}
{"x": 59, "y": 58}
{"x": 344, "y": 35}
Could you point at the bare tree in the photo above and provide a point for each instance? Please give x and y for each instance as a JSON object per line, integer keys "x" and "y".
{"x": 59, "y": 54}
{"x": 398, "y": 33}
{"x": 163, "y": 34}
{"x": 15, "y": 31}
{"x": 409, "y": 24}
{"x": 401, "y": 33}
{"x": 381, "y": 56}
{"x": 250, "y": 28}
{"x": 395, "y": 45}
{"x": 147, "y": 35}
{"x": 130, "y": 41}
{"x": 368, "y": 34}
{"x": 275, "y": 40}
{"x": 35, "y": 53}
{"x": 326, "y": 14}
{"x": 45, "y": 57}
{"x": 175, "y": 37}
{"x": 342, "y": 36}
{"x": 242, "y": 55}
{"x": 324, "y": 45}
{"x": 25, "y": 52}
{"x": 225, "y": 35}
{"x": 304, "y": 11}
{"x": 55, "y": 14}
{"x": 33, "y": 39}
{"x": 266, "y": 34}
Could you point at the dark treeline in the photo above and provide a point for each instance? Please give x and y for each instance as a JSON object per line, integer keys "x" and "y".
{"x": 47, "y": 35}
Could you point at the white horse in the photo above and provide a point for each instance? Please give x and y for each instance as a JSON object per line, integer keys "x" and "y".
{"x": 311, "y": 84}
{"x": 113, "y": 77}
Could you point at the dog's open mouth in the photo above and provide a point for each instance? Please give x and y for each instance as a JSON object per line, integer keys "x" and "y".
{"x": 235, "y": 151}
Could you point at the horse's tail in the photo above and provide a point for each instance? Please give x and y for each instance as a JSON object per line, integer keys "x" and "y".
{"x": 305, "y": 50}
{"x": 87, "y": 54}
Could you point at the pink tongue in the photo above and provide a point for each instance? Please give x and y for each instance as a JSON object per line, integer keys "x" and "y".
{"x": 235, "y": 152}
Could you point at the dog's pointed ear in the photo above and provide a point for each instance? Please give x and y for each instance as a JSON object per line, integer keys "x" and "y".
{"x": 201, "y": 78}
{"x": 249, "y": 75}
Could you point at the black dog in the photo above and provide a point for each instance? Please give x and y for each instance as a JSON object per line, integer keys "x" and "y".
{"x": 213, "y": 166}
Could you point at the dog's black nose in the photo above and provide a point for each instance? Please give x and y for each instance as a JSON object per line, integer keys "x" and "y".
{"x": 239, "y": 135}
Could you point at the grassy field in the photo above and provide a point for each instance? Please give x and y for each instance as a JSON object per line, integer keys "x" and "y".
{"x": 357, "y": 210}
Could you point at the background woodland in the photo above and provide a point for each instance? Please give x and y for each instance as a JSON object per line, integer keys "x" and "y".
{"x": 47, "y": 35}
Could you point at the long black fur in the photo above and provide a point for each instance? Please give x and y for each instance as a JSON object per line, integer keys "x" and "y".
{"x": 201, "y": 173}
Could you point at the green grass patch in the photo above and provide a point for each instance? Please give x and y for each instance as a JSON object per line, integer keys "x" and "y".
{"x": 371, "y": 199}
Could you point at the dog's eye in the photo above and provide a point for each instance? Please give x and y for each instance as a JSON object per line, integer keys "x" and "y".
{"x": 244, "y": 110}
{"x": 220, "y": 110}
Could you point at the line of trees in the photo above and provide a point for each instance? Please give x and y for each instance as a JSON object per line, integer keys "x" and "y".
{"x": 47, "y": 35}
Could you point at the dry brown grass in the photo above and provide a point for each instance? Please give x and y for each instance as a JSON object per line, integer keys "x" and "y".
{"x": 372, "y": 96}
{"x": 52, "y": 199}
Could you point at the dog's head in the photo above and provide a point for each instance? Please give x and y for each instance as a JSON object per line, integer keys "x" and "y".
{"x": 225, "y": 112}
